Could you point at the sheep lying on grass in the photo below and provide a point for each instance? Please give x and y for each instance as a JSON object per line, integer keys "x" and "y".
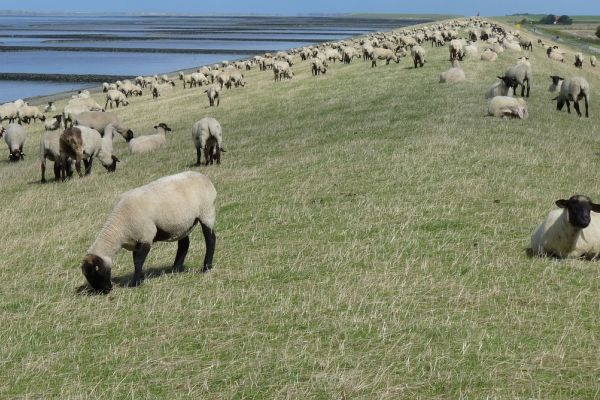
{"x": 14, "y": 136}
{"x": 489, "y": 55}
{"x": 53, "y": 123}
{"x": 50, "y": 149}
{"x": 454, "y": 74}
{"x": 167, "y": 209}
{"x": 83, "y": 143}
{"x": 574, "y": 89}
{"x": 50, "y": 107}
{"x": 593, "y": 61}
{"x": 207, "y": 135}
{"x": 504, "y": 106}
{"x": 572, "y": 231}
{"x": 146, "y": 143}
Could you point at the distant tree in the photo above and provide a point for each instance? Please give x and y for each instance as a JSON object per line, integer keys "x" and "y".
{"x": 565, "y": 20}
{"x": 598, "y": 31}
{"x": 548, "y": 19}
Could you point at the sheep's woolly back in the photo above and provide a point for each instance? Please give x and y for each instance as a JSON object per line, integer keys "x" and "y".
{"x": 15, "y": 136}
{"x": 171, "y": 206}
{"x": 504, "y": 106}
{"x": 557, "y": 237}
{"x": 454, "y": 74}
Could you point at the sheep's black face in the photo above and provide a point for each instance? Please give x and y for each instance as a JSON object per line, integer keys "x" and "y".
{"x": 129, "y": 135}
{"x": 97, "y": 273}
{"x": 15, "y": 155}
{"x": 579, "y": 210}
{"x": 112, "y": 167}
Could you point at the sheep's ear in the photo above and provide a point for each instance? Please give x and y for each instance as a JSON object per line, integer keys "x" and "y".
{"x": 115, "y": 159}
{"x": 155, "y": 126}
{"x": 595, "y": 207}
{"x": 562, "y": 203}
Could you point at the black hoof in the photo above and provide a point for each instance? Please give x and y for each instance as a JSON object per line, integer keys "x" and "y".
{"x": 136, "y": 282}
{"x": 178, "y": 269}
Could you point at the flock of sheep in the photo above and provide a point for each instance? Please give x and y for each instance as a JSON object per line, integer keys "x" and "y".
{"x": 169, "y": 208}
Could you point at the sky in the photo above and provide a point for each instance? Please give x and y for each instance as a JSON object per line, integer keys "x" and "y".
{"x": 295, "y": 7}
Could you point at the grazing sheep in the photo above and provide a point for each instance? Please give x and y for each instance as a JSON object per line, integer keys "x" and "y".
{"x": 146, "y": 143}
{"x": 53, "y": 123}
{"x": 83, "y": 143}
{"x": 522, "y": 74}
{"x": 526, "y": 44}
{"x": 418, "y": 55}
{"x": 9, "y": 111}
{"x": 15, "y": 136}
{"x": 489, "y": 55}
{"x": 383, "y": 54}
{"x": 282, "y": 70}
{"x": 593, "y": 61}
{"x": 115, "y": 97}
{"x": 205, "y": 133}
{"x": 571, "y": 231}
{"x": 212, "y": 92}
{"x": 504, "y": 87}
{"x": 27, "y": 113}
{"x": 454, "y": 74}
{"x": 317, "y": 66}
{"x": 574, "y": 89}
{"x": 50, "y": 149}
{"x": 50, "y": 107}
{"x": 100, "y": 120}
{"x": 457, "y": 49}
{"x": 579, "y": 59}
{"x": 504, "y": 106}
{"x": 167, "y": 209}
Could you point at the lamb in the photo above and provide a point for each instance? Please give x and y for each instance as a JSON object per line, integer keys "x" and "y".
{"x": 454, "y": 74}
{"x": 212, "y": 92}
{"x": 383, "y": 54}
{"x": 489, "y": 55}
{"x": 206, "y": 133}
{"x": 593, "y": 61}
{"x": 27, "y": 113}
{"x": 53, "y": 123}
{"x": 522, "y": 74}
{"x": 571, "y": 231}
{"x": 50, "y": 149}
{"x": 574, "y": 89}
{"x": 504, "y": 87}
{"x": 167, "y": 209}
{"x": 579, "y": 59}
{"x": 83, "y": 143}
{"x": 504, "y": 106}
{"x": 100, "y": 120}
{"x": 146, "y": 143}
{"x": 317, "y": 66}
{"x": 50, "y": 107}
{"x": 15, "y": 136}
{"x": 115, "y": 97}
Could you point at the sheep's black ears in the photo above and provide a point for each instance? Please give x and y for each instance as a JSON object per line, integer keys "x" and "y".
{"x": 222, "y": 149}
{"x": 155, "y": 126}
{"x": 500, "y": 77}
{"x": 115, "y": 159}
{"x": 562, "y": 203}
{"x": 554, "y": 99}
{"x": 168, "y": 129}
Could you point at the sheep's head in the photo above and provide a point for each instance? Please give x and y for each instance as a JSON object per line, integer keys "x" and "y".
{"x": 163, "y": 126}
{"x": 509, "y": 82}
{"x": 16, "y": 155}
{"x": 556, "y": 83}
{"x": 97, "y": 273}
{"x": 579, "y": 210}
{"x": 112, "y": 167}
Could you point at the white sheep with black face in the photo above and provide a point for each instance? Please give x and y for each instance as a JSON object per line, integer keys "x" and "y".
{"x": 571, "y": 231}
{"x": 15, "y": 136}
{"x": 146, "y": 143}
{"x": 167, "y": 209}
{"x": 522, "y": 75}
{"x": 574, "y": 90}
{"x": 207, "y": 135}
{"x": 83, "y": 143}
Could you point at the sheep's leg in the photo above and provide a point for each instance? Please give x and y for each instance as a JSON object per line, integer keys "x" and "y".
{"x": 568, "y": 106}
{"x": 576, "y": 105}
{"x": 182, "y": 248}
{"x": 77, "y": 167}
{"x": 57, "y": 167}
{"x": 139, "y": 256}
{"x": 210, "y": 239}
{"x": 587, "y": 115}
{"x": 44, "y": 170}
{"x": 523, "y": 90}
{"x": 88, "y": 165}
{"x": 198, "y": 155}
{"x": 528, "y": 87}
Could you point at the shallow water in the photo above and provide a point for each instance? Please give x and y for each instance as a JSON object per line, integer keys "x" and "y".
{"x": 129, "y": 45}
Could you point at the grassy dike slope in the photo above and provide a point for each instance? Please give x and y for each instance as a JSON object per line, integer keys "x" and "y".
{"x": 372, "y": 235}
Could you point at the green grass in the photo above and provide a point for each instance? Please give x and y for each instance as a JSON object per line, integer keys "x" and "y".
{"x": 372, "y": 234}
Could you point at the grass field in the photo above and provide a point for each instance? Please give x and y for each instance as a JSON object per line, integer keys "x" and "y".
{"x": 372, "y": 235}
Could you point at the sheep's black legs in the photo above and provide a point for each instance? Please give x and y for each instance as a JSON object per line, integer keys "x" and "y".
{"x": 139, "y": 256}
{"x": 576, "y": 105}
{"x": 198, "y": 155}
{"x": 587, "y": 115}
{"x": 210, "y": 239}
{"x": 182, "y": 248}
{"x": 87, "y": 165}
{"x": 568, "y": 107}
